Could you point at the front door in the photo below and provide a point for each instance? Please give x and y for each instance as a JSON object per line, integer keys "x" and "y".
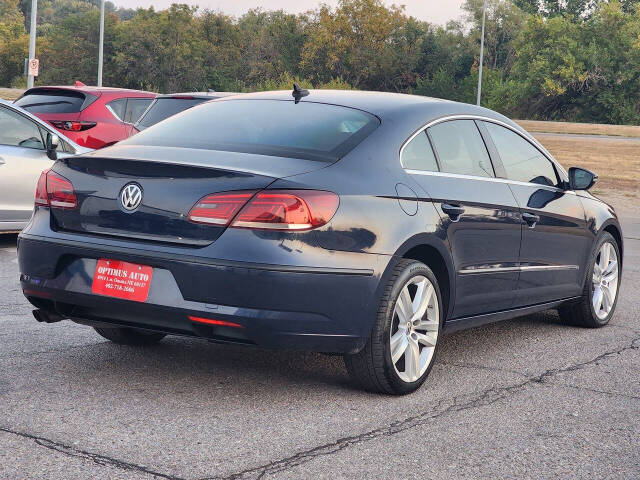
{"x": 555, "y": 243}
{"x": 22, "y": 159}
{"x": 479, "y": 213}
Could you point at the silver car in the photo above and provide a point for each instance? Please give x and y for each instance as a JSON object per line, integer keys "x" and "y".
{"x": 27, "y": 147}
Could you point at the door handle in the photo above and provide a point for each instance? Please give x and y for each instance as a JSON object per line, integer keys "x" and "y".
{"x": 531, "y": 219}
{"x": 454, "y": 211}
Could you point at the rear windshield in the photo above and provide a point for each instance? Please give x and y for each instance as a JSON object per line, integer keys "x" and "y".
{"x": 52, "y": 101}
{"x": 165, "y": 108}
{"x": 308, "y": 130}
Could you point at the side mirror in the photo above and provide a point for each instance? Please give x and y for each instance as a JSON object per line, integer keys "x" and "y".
{"x": 52, "y": 146}
{"x": 581, "y": 179}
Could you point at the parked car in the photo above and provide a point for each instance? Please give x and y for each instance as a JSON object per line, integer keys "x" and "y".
{"x": 93, "y": 117}
{"x": 358, "y": 223}
{"x": 165, "y": 106}
{"x": 27, "y": 147}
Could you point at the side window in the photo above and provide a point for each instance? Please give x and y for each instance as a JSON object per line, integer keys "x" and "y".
{"x": 118, "y": 107}
{"x": 460, "y": 148}
{"x": 19, "y": 131}
{"x": 135, "y": 109}
{"x": 522, "y": 161}
{"x": 418, "y": 154}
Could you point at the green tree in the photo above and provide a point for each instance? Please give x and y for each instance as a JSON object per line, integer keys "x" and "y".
{"x": 358, "y": 42}
{"x": 160, "y": 51}
{"x": 272, "y": 44}
{"x": 13, "y": 43}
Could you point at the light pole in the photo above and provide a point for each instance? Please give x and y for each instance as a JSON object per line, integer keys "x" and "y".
{"x": 100, "y": 47}
{"x": 32, "y": 39}
{"x": 484, "y": 12}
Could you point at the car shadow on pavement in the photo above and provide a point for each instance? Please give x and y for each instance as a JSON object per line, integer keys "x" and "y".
{"x": 8, "y": 240}
{"x": 191, "y": 365}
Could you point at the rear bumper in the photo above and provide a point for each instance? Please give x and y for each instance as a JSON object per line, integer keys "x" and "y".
{"x": 324, "y": 309}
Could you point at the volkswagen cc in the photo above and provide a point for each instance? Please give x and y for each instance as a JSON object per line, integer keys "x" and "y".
{"x": 358, "y": 223}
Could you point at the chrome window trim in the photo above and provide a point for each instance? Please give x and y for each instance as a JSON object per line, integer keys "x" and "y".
{"x": 486, "y": 179}
{"x": 527, "y": 137}
{"x": 521, "y": 268}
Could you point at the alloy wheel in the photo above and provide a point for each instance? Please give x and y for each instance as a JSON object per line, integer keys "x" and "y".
{"x": 605, "y": 280}
{"x": 414, "y": 329}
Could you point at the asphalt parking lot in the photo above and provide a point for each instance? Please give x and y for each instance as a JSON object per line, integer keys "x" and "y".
{"x": 529, "y": 398}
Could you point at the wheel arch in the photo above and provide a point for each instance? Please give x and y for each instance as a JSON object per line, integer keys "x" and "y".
{"x": 612, "y": 228}
{"x": 434, "y": 253}
{"x": 615, "y": 231}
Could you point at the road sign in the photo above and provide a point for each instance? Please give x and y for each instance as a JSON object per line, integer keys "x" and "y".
{"x": 34, "y": 64}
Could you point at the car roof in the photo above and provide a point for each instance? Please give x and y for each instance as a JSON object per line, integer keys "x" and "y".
{"x": 205, "y": 95}
{"x": 44, "y": 124}
{"x": 385, "y": 105}
{"x": 91, "y": 89}
{"x": 410, "y": 112}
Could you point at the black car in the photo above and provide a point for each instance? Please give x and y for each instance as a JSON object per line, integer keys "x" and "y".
{"x": 358, "y": 223}
{"x": 165, "y": 106}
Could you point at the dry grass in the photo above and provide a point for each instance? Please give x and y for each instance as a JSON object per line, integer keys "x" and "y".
{"x": 584, "y": 128}
{"x": 617, "y": 162}
{"x": 10, "y": 93}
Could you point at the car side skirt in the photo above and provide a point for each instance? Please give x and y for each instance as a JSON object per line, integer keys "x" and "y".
{"x": 463, "y": 323}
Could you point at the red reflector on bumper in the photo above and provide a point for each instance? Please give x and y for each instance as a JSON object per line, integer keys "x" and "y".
{"x": 211, "y": 321}
{"x": 36, "y": 293}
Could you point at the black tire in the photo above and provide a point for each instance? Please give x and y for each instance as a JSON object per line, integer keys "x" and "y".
{"x": 582, "y": 313}
{"x": 130, "y": 336}
{"x": 372, "y": 367}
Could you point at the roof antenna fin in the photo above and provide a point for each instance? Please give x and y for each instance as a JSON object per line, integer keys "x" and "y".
{"x": 299, "y": 92}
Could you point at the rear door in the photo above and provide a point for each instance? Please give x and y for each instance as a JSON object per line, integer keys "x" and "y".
{"x": 22, "y": 159}
{"x": 480, "y": 216}
{"x": 555, "y": 242}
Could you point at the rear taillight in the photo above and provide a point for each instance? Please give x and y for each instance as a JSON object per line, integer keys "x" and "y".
{"x": 288, "y": 210}
{"x": 72, "y": 126}
{"x": 219, "y": 208}
{"x": 267, "y": 210}
{"x": 41, "y": 189}
{"x": 55, "y": 191}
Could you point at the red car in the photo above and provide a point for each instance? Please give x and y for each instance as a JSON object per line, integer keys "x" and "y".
{"x": 93, "y": 117}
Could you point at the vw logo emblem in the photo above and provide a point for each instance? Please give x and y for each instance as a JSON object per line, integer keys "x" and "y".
{"x": 131, "y": 197}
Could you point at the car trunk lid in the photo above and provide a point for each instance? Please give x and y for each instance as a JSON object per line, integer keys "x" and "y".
{"x": 172, "y": 180}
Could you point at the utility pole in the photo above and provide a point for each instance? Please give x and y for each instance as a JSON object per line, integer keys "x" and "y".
{"x": 32, "y": 38}
{"x": 100, "y": 47}
{"x": 484, "y": 12}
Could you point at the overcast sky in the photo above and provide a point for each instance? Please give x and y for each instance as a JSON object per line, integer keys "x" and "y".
{"x": 435, "y": 11}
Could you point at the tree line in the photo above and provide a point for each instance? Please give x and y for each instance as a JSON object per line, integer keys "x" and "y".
{"x": 575, "y": 60}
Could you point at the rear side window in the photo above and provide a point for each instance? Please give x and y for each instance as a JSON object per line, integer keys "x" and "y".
{"x": 19, "y": 131}
{"x": 166, "y": 107}
{"x": 418, "y": 154}
{"x": 460, "y": 148}
{"x": 308, "y": 130}
{"x": 135, "y": 108}
{"x": 522, "y": 161}
{"x": 118, "y": 107}
{"x": 53, "y": 101}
